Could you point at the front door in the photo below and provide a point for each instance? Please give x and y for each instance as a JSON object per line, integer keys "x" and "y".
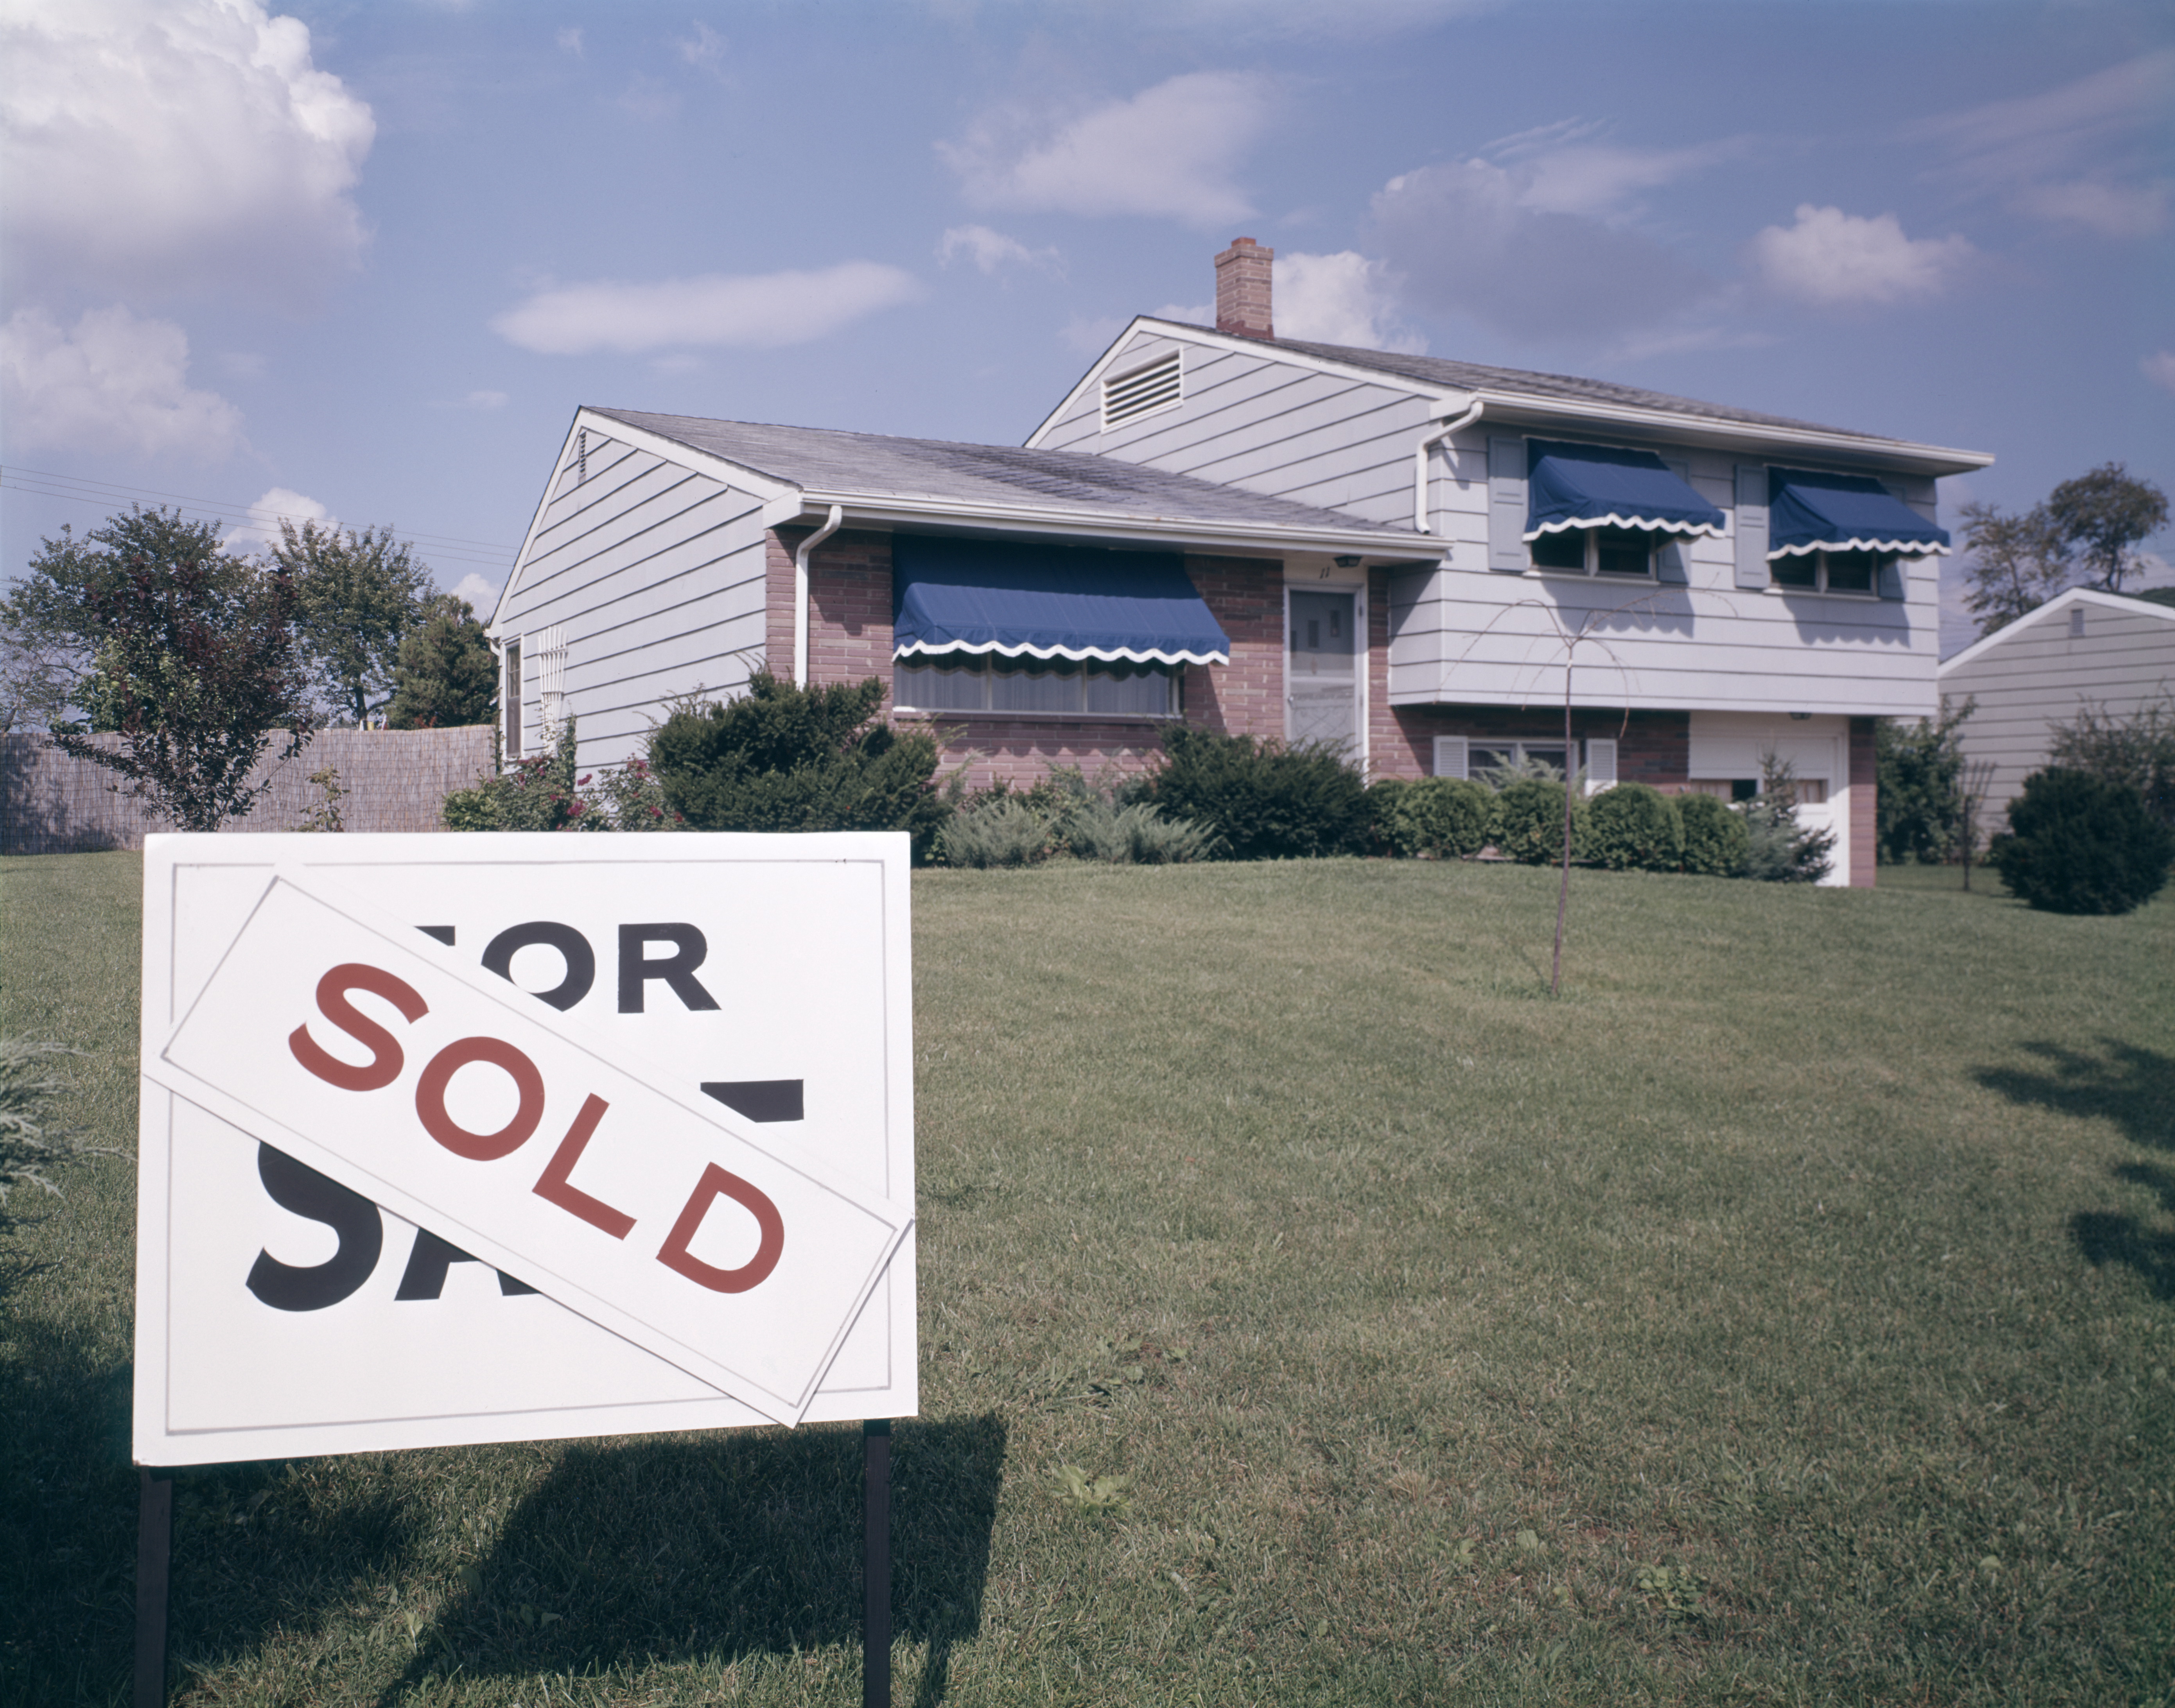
{"x": 1320, "y": 682}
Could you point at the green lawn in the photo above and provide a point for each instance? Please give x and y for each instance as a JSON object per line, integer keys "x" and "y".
{"x": 1785, "y": 1314}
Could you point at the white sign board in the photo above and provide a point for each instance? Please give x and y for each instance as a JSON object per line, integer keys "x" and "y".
{"x": 465, "y": 1138}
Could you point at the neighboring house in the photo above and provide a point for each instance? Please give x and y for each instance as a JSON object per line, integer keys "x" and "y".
{"x": 2081, "y": 648}
{"x": 1294, "y": 540}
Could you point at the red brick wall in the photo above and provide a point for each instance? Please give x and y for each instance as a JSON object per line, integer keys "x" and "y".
{"x": 1246, "y": 696}
{"x": 1864, "y": 806}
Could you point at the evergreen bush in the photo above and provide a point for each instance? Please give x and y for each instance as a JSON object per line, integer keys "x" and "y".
{"x": 1780, "y": 850}
{"x": 1262, "y": 799}
{"x": 1716, "y": 841}
{"x": 1529, "y": 821}
{"x": 1445, "y": 817}
{"x": 2079, "y": 843}
{"x": 1001, "y": 829}
{"x": 784, "y": 758}
{"x": 1097, "y": 828}
{"x": 1633, "y": 826}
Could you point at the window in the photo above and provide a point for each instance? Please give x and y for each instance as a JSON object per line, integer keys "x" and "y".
{"x": 1619, "y": 551}
{"x": 510, "y": 699}
{"x": 988, "y": 683}
{"x": 1142, "y": 391}
{"x": 1827, "y": 571}
{"x": 1482, "y": 757}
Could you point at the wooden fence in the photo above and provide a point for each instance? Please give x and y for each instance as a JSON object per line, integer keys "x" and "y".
{"x": 394, "y": 779}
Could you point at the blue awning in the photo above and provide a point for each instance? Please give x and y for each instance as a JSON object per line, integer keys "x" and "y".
{"x": 1811, "y": 511}
{"x": 1028, "y": 599}
{"x": 1600, "y": 487}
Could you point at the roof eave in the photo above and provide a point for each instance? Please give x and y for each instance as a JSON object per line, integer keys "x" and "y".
{"x": 896, "y": 508}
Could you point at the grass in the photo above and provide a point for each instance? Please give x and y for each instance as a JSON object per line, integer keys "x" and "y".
{"x": 1784, "y": 1315}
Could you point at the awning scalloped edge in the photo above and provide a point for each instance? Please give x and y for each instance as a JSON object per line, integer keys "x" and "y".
{"x": 1681, "y": 530}
{"x": 1103, "y": 655}
{"x": 1902, "y": 548}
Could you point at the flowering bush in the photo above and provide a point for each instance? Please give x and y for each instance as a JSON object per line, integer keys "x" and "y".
{"x": 545, "y": 792}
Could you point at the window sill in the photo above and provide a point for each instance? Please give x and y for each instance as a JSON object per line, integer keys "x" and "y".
{"x": 1826, "y": 593}
{"x": 1589, "y": 580}
{"x": 920, "y": 714}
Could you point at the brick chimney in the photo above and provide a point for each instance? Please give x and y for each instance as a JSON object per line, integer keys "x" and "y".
{"x": 1242, "y": 288}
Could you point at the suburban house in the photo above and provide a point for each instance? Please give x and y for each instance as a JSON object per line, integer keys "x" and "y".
{"x": 2081, "y": 648}
{"x": 1418, "y": 559}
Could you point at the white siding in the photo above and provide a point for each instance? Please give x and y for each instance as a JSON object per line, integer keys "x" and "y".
{"x": 1462, "y": 634}
{"x": 1266, "y": 426}
{"x": 2036, "y": 674}
{"x": 656, "y": 573}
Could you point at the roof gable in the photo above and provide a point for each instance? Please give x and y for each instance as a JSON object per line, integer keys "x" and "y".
{"x": 2061, "y": 602}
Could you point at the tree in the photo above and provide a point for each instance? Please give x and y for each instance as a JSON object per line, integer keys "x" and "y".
{"x": 2016, "y": 564}
{"x": 447, "y": 675}
{"x": 2085, "y": 529}
{"x": 52, "y": 615}
{"x": 2100, "y": 515}
{"x": 196, "y": 666}
{"x": 1919, "y": 798}
{"x": 357, "y": 595}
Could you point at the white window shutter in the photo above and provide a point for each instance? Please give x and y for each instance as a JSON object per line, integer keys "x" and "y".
{"x": 1600, "y": 766}
{"x": 1450, "y": 756}
{"x": 550, "y": 658}
{"x": 1506, "y": 504}
{"x": 1751, "y": 525}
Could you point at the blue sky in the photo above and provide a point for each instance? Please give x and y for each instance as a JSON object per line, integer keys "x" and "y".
{"x": 363, "y": 261}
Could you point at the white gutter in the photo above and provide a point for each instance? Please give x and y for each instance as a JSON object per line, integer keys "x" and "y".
{"x": 1377, "y": 540}
{"x": 800, "y": 593}
{"x": 1441, "y": 436}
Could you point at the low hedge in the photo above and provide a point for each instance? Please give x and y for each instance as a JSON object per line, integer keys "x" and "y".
{"x": 1635, "y": 827}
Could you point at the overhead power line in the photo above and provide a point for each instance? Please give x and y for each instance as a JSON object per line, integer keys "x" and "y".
{"x": 441, "y": 548}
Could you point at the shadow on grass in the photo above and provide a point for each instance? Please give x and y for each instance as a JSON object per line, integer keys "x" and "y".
{"x": 678, "y": 1550}
{"x": 2134, "y": 1087}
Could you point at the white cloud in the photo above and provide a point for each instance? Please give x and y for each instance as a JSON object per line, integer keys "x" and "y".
{"x": 704, "y": 49}
{"x": 112, "y": 382}
{"x": 164, "y": 145}
{"x": 1344, "y": 298}
{"x": 1186, "y": 313}
{"x": 649, "y": 100}
{"x": 570, "y": 41}
{"x": 990, "y": 250}
{"x": 759, "y": 310}
{"x": 1559, "y": 170}
{"x": 1169, "y": 152}
{"x": 482, "y": 594}
{"x": 2108, "y": 210}
{"x": 262, "y": 528}
{"x": 1466, "y": 237}
{"x": 1831, "y": 259}
{"x": 2159, "y": 368}
{"x": 474, "y": 400}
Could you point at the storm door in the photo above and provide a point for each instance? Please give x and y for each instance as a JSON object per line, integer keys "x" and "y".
{"x": 1320, "y": 681}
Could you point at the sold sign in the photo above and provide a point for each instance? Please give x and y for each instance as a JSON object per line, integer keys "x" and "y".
{"x": 543, "y": 1147}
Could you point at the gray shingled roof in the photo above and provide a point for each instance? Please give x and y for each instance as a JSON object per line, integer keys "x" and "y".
{"x": 877, "y": 465}
{"x": 1467, "y": 375}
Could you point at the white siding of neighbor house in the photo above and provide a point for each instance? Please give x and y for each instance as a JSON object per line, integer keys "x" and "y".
{"x": 1463, "y": 633}
{"x": 2036, "y": 674}
{"x": 656, "y": 575}
{"x": 1268, "y": 427}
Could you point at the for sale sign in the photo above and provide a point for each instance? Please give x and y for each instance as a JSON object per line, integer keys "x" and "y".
{"x": 470, "y": 1138}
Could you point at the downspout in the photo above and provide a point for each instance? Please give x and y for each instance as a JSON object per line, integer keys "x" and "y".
{"x": 1420, "y": 460}
{"x": 800, "y": 592}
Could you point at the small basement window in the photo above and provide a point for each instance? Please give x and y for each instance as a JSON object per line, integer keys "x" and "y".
{"x": 1615, "y": 551}
{"x": 1144, "y": 391}
{"x": 1827, "y": 571}
{"x": 990, "y": 682}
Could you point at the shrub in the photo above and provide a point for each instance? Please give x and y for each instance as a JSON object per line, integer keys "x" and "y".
{"x": 783, "y": 758}
{"x": 29, "y": 1146}
{"x": 537, "y": 794}
{"x": 1443, "y": 817}
{"x": 2138, "y": 750}
{"x": 1716, "y": 841}
{"x": 1919, "y": 797}
{"x": 1261, "y": 800}
{"x": 1529, "y": 821}
{"x": 999, "y": 830}
{"x": 1779, "y": 851}
{"x": 1097, "y": 828}
{"x": 2082, "y": 844}
{"x": 1633, "y": 826}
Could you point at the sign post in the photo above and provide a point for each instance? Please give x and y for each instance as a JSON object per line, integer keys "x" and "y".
{"x": 661, "y": 1086}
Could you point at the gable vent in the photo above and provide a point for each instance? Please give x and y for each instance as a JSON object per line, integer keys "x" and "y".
{"x": 1142, "y": 391}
